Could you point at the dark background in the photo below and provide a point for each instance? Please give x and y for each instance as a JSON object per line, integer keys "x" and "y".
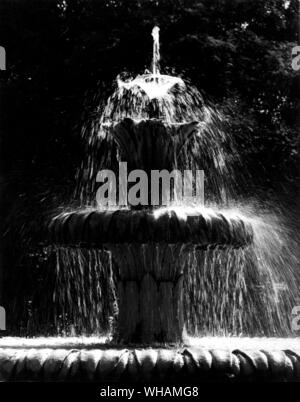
{"x": 61, "y": 53}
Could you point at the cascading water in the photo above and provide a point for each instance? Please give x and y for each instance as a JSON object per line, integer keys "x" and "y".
{"x": 227, "y": 290}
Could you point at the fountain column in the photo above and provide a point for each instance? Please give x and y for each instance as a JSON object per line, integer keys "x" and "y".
{"x": 149, "y": 275}
{"x": 150, "y": 293}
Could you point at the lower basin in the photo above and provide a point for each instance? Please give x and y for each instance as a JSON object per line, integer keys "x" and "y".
{"x": 198, "y": 359}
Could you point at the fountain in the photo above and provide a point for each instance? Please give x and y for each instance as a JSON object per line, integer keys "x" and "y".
{"x": 155, "y": 251}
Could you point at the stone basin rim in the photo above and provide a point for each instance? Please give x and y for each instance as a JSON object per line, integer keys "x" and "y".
{"x": 125, "y": 226}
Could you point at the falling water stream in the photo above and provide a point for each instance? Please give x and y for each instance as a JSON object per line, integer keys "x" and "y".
{"x": 156, "y": 51}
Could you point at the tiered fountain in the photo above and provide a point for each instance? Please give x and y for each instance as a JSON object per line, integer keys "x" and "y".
{"x": 152, "y": 249}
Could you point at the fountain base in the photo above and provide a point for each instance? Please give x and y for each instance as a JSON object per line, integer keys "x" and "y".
{"x": 207, "y": 359}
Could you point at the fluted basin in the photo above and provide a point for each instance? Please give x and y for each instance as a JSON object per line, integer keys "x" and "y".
{"x": 90, "y": 359}
{"x": 203, "y": 228}
{"x": 152, "y": 144}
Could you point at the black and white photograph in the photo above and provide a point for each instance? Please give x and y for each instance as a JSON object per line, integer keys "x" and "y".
{"x": 149, "y": 196}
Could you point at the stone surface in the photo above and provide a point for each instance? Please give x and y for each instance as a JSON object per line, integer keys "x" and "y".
{"x": 148, "y": 364}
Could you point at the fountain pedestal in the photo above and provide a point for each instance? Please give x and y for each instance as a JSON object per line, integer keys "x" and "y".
{"x": 150, "y": 293}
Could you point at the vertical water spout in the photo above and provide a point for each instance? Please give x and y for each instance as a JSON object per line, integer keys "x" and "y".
{"x": 156, "y": 52}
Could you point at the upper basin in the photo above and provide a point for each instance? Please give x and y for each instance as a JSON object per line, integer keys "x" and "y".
{"x": 204, "y": 228}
